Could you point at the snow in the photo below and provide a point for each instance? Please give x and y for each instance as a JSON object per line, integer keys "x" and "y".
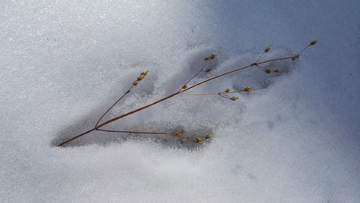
{"x": 294, "y": 138}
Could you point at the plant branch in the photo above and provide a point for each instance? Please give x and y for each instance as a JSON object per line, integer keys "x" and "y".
{"x": 61, "y": 144}
{"x": 96, "y": 125}
{"x": 137, "y": 110}
{"x": 149, "y": 133}
{"x": 202, "y": 67}
{"x": 124, "y": 131}
{"x": 183, "y": 89}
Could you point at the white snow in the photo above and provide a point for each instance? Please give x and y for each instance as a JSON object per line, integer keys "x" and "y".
{"x": 294, "y": 138}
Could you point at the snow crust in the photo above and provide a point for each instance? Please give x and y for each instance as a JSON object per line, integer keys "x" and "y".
{"x": 294, "y": 138}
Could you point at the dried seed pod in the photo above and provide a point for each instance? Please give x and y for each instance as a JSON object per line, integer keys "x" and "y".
{"x": 179, "y": 132}
{"x": 207, "y": 136}
{"x": 269, "y": 71}
{"x": 313, "y": 42}
{"x": 141, "y": 77}
{"x": 197, "y": 139}
{"x": 210, "y": 57}
{"x": 228, "y": 89}
{"x": 234, "y": 98}
{"x": 208, "y": 70}
{"x": 135, "y": 82}
{"x": 277, "y": 70}
{"x": 246, "y": 89}
{"x": 184, "y": 87}
{"x": 267, "y": 48}
{"x": 213, "y": 56}
{"x": 295, "y": 57}
{"x": 144, "y": 73}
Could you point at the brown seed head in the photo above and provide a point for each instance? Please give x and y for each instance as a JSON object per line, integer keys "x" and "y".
{"x": 197, "y": 139}
{"x": 179, "y": 132}
{"x": 210, "y": 57}
{"x": 295, "y": 57}
{"x": 267, "y": 48}
{"x": 141, "y": 77}
{"x": 207, "y": 136}
{"x": 246, "y": 89}
{"x": 313, "y": 42}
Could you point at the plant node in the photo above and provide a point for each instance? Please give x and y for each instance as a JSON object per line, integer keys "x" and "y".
{"x": 295, "y": 57}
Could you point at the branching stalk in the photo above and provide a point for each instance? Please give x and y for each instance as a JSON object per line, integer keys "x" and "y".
{"x": 183, "y": 90}
{"x": 96, "y": 125}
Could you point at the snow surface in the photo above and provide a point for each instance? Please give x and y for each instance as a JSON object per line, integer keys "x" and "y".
{"x": 295, "y": 138}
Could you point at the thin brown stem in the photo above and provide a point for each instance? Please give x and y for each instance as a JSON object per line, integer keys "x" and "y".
{"x": 149, "y": 133}
{"x": 125, "y": 131}
{"x": 96, "y": 125}
{"x": 61, "y": 144}
{"x": 201, "y": 93}
{"x": 260, "y": 57}
{"x": 137, "y": 110}
{"x": 278, "y": 59}
{"x": 304, "y": 49}
{"x": 207, "y": 80}
{"x": 204, "y": 64}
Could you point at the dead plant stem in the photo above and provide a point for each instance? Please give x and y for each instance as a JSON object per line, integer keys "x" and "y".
{"x": 183, "y": 89}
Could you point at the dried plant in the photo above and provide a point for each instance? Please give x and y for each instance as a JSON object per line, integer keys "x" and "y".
{"x": 183, "y": 90}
